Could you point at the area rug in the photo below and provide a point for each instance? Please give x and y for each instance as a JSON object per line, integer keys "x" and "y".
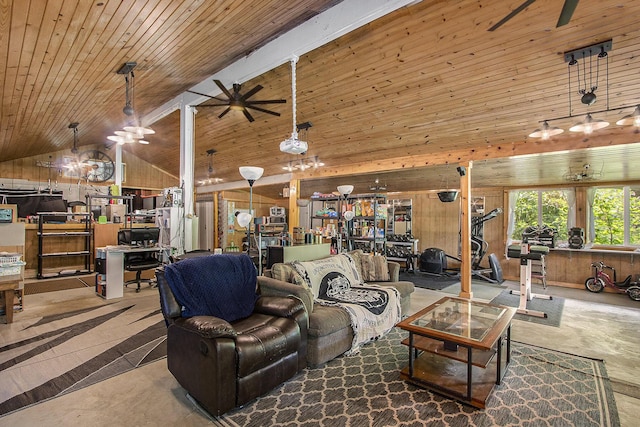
{"x": 50, "y": 356}
{"x": 429, "y": 281}
{"x": 552, "y": 308}
{"x": 541, "y": 388}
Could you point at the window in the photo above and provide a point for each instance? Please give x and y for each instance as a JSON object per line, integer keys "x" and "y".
{"x": 615, "y": 216}
{"x": 538, "y": 208}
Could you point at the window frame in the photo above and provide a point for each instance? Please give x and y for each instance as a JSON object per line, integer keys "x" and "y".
{"x": 626, "y": 217}
{"x": 571, "y": 210}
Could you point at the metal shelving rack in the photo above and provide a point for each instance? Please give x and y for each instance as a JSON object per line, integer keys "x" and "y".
{"x": 86, "y": 233}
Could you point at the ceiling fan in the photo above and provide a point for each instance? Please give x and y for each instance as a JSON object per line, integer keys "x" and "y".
{"x": 565, "y": 15}
{"x": 239, "y": 102}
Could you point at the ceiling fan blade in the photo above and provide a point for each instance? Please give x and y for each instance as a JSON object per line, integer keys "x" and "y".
{"x": 513, "y": 13}
{"x": 223, "y": 89}
{"x": 226, "y": 104}
{"x": 273, "y": 113}
{"x": 268, "y": 101}
{"x": 247, "y": 115}
{"x": 208, "y": 96}
{"x": 224, "y": 112}
{"x": 251, "y": 92}
{"x": 567, "y": 12}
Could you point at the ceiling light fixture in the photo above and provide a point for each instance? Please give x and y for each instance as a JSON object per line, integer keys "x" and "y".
{"x": 293, "y": 145}
{"x": 546, "y": 131}
{"x": 588, "y": 86}
{"x": 304, "y": 164}
{"x": 631, "y": 119}
{"x": 589, "y": 125}
{"x": 133, "y": 132}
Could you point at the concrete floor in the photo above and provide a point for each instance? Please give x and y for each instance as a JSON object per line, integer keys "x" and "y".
{"x": 601, "y": 326}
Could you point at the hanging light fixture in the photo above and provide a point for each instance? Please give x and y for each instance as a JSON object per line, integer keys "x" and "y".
{"x": 631, "y": 119}
{"x": 133, "y": 132}
{"x": 210, "y": 154}
{"x": 589, "y": 125}
{"x": 546, "y": 131}
{"x": 293, "y": 145}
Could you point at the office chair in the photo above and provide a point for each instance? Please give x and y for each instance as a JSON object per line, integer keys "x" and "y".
{"x": 140, "y": 261}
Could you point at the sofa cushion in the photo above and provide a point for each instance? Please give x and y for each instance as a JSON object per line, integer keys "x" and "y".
{"x": 334, "y": 272}
{"x": 374, "y": 268}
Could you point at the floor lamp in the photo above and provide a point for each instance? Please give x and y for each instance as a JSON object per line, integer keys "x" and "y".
{"x": 344, "y": 191}
{"x": 251, "y": 174}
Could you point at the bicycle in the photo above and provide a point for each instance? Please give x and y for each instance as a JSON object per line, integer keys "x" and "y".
{"x": 602, "y": 279}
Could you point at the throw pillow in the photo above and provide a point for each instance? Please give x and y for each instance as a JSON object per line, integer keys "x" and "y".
{"x": 375, "y": 268}
{"x": 357, "y": 255}
{"x": 328, "y": 275}
{"x": 286, "y": 273}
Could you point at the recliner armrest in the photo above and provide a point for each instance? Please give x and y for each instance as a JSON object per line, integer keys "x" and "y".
{"x": 277, "y": 288}
{"x": 278, "y": 306}
{"x": 207, "y": 326}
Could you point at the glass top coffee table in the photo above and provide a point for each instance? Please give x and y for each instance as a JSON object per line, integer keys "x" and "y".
{"x": 452, "y": 344}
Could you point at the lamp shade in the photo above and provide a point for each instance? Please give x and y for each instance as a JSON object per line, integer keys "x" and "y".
{"x": 631, "y": 119}
{"x": 589, "y": 125}
{"x": 244, "y": 219}
{"x": 348, "y": 215}
{"x": 345, "y": 190}
{"x": 546, "y": 131}
{"x": 139, "y": 131}
{"x": 251, "y": 173}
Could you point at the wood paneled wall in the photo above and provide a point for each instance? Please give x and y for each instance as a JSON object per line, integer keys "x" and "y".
{"x": 139, "y": 174}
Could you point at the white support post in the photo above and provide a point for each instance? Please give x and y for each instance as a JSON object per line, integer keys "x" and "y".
{"x": 187, "y": 160}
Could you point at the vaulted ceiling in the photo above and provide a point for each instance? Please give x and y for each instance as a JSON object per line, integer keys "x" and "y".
{"x": 402, "y": 99}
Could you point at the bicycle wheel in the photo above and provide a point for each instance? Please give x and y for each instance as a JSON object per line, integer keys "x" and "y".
{"x": 594, "y": 285}
{"x": 634, "y": 292}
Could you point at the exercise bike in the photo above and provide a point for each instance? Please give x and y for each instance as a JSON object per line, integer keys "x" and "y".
{"x": 601, "y": 279}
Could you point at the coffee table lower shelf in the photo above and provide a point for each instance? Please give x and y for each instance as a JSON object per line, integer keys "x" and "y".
{"x": 445, "y": 372}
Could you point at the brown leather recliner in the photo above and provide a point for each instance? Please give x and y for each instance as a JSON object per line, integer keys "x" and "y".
{"x": 223, "y": 364}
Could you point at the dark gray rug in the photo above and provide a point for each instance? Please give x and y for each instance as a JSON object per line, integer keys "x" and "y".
{"x": 541, "y": 388}
{"x": 553, "y": 308}
{"x": 429, "y": 281}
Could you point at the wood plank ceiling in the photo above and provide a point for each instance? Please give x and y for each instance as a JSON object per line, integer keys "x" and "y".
{"x": 403, "y": 99}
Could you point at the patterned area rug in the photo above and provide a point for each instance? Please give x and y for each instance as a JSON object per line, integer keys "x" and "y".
{"x": 58, "y": 354}
{"x": 541, "y": 387}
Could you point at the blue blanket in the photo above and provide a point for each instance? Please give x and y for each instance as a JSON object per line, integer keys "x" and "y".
{"x": 223, "y": 286}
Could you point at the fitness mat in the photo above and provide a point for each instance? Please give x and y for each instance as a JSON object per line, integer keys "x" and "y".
{"x": 553, "y": 308}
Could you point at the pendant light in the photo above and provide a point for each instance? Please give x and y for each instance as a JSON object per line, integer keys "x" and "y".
{"x": 631, "y": 119}
{"x": 546, "y": 131}
{"x": 133, "y": 132}
{"x": 589, "y": 125}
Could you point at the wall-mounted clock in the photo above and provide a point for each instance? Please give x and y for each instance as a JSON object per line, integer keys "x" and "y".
{"x": 99, "y": 166}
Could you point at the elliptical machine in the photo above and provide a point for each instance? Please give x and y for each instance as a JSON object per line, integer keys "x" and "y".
{"x": 434, "y": 260}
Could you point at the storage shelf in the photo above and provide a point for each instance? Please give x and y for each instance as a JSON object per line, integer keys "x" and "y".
{"x": 66, "y": 233}
{"x": 480, "y": 358}
{"x": 86, "y": 235}
{"x": 58, "y": 254}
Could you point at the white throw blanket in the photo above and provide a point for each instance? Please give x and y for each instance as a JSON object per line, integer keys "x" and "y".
{"x": 374, "y": 310}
